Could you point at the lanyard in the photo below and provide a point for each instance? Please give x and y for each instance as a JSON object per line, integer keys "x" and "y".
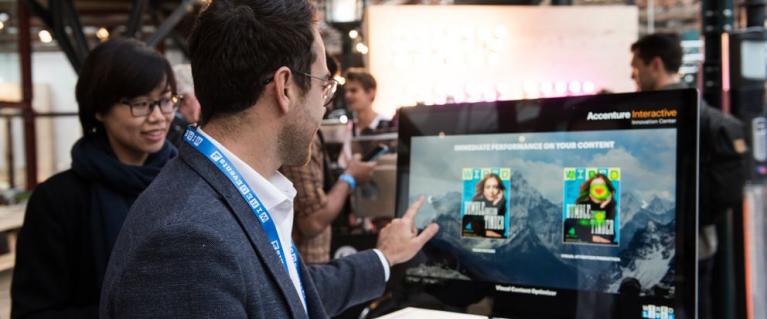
{"x": 206, "y": 147}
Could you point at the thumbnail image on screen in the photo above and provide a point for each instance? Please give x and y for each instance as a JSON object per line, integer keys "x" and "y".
{"x": 579, "y": 210}
{"x": 484, "y": 209}
{"x": 591, "y": 212}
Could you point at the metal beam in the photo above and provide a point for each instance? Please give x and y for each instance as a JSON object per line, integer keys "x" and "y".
{"x": 167, "y": 26}
{"x": 59, "y": 32}
{"x": 717, "y": 19}
{"x": 5, "y": 104}
{"x": 30, "y": 135}
{"x": 9, "y": 158}
{"x": 137, "y": 12}
{"x": 177, "y": 38}
{"x": 38, "y": 10}
{"x": 181, "y": 42}
{"x": 77, "y": 29}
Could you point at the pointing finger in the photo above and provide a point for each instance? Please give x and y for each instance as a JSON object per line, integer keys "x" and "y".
{"x": 413, "y": 209}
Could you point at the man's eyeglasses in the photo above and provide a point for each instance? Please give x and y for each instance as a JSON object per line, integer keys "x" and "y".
{"x": 167, "y": 105}
{"x": 329, "y": 87}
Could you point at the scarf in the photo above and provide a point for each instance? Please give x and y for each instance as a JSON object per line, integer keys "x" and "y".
{"x": 114, "y": 187}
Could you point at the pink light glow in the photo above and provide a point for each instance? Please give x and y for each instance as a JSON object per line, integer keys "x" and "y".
{"x": 575, "y": 87}
{"x": 547, "y": 88}
{"x": 561, "y": 88}
{"x": 589, "y": 87}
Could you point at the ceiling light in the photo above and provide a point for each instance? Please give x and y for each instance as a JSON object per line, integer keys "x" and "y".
{"x": 45, "y": 36}
{"x": 102, "y": 34}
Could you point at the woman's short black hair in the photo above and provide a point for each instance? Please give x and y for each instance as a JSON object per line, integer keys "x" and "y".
{"x": 118, "y": 69}
{"x": 237, "y": 45}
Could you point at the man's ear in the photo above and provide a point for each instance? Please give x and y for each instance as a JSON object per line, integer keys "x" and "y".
{"x": 284, "y": 88}
{"x": 657, "y": 64}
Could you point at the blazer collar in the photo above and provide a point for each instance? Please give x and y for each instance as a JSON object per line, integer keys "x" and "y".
{"x": 243, "y": 214}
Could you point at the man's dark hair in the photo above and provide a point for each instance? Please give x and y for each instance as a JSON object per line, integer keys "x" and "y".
{"x": 365, "y": 79}
{"x": 118, "y": 69}
{"x": 237, "y": 45}
{"x": 666, "y": 46}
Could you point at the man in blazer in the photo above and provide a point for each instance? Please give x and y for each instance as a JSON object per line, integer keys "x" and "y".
{"x": 210, "y": 238}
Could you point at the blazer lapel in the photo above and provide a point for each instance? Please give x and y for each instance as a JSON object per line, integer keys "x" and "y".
{"x": 248, "y": 222}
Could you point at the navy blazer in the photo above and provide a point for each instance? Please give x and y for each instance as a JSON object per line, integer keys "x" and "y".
{"x": 192, "y": 248}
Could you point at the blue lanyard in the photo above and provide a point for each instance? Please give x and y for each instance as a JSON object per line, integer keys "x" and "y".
{"x": 204, "y": 146}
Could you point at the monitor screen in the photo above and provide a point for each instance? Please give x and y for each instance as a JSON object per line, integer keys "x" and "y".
{"x": 579, "y": 207}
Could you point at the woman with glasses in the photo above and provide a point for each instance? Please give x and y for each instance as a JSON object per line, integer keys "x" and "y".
{"x": 126, "y": 100}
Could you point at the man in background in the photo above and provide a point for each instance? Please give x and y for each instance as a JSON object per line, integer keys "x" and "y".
{"x": 360, "y": 92}
{"x": 655, "y": 66}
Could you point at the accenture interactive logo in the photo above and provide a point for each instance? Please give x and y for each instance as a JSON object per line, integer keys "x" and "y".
{"x": 649, "y": 117}
{"x": 608, "y": 116}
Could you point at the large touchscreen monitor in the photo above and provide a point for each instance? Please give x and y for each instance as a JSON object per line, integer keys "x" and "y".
{"x": 577, "y": 207}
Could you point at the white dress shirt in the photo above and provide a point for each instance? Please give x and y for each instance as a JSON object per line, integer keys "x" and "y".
{"x": 276, "y": 194}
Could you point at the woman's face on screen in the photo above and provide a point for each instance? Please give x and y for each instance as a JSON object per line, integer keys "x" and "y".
{"x": 492, "y": 189}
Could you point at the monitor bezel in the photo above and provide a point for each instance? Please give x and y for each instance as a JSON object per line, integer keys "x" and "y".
{"x": 569, "y": 114}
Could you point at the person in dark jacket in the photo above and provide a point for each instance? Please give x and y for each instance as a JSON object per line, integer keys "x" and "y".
{"x": 655, "y": 63}
{"x": 126, "y": 99}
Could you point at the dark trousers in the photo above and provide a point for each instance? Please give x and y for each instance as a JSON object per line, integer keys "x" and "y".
{"x": 705, "y": 276}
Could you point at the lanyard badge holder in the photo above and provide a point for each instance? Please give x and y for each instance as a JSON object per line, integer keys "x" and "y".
{"x": 212, "y": 153}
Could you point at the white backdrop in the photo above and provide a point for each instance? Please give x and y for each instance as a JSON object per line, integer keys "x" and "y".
{"x": 438, "y": 54}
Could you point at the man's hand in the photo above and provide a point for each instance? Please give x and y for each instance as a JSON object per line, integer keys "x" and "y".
{"x": 399, "y": 241}
{"x": 361, "y": 171}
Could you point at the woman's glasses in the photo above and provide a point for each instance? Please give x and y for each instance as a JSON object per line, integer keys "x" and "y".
{"x": 167, "y": 105}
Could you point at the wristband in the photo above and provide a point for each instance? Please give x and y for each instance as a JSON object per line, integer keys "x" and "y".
{"x": 348, "y": 179}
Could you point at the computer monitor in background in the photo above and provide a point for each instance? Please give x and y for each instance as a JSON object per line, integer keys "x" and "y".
{"x": 577, "y": 207}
